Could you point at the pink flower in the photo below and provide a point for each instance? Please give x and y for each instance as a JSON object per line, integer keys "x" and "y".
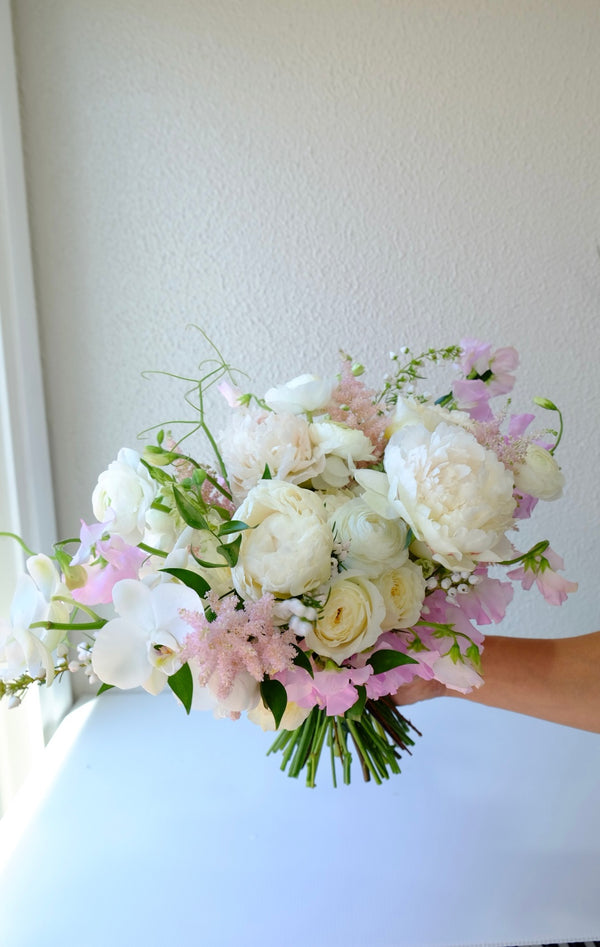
{"x": 487, "y": 601}
{"x": 334, "y": 691}
{"x": 541, "y": 569}
{"x": 117, "y": 560}
{"x": 487, "y": 374}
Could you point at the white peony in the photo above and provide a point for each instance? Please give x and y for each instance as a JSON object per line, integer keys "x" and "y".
{"x": 426, "y": 413}
{"x": 303, "y": 394}
{"x": 403, "y": 592}
{"x": 454, "y": 494}
{"x": 281, "y": 442}
{"x": 288, "y": 550}
{"x": 374, "y": 543}
{"x": 127, "y": 491}
{"x": 350, "y": 620}
{"x": 539, "y": 475}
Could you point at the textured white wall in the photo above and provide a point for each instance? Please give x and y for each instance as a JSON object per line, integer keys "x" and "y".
{"x": 302, "y": 176}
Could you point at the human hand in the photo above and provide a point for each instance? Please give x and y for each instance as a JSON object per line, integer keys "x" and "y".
{"x": 418, "y": 690}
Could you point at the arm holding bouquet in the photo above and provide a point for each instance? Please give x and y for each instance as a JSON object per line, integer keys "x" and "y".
{"x": 337, "y": 545}
{"x": 556, "y": 679}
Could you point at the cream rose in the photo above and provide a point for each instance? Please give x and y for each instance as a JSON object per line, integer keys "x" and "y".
{"x": 281, "y": 442}
{"x": 127, "y": 490}
{"x": 539, "y": 475}
{"x": 303, "y": 394}
{"x": 288, "y": 550}
{"x": 454, "y": 494}
{"x": 350, "y": 620}
{"x": 403, "y": 592}
{"x": 374, "y": 543}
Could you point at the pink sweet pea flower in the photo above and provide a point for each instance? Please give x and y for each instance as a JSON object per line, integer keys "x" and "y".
{"x": 122, "y": 562}
{"x": 541, "y": 569}
{"x": 487, "y": 601}
{"x": 332, "y": 691}
{"x": 487, "y": 375}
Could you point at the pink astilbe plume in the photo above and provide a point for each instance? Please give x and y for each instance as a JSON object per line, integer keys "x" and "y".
{"x": 352, "y": 403}
{"x": 238, "y": 639}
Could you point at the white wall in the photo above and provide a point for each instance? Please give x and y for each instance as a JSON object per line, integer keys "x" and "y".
{"x": 302, "y": 176}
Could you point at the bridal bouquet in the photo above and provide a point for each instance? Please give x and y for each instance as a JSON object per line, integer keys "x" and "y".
{"x": 339, "y": 542}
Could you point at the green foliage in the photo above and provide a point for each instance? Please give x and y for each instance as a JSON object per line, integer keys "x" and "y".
{"x": 274, "y": 697}
{"x": 387, "y": 659}
{"x": 182, "y": 685}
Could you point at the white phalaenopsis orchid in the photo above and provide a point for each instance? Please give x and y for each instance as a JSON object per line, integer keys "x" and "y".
{"x": 141, "y": 648}
{"x": 27, "y": 650}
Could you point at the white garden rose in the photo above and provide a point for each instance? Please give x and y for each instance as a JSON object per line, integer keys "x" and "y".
{"x": 350, "y": 620}
{"x": 374, "y": 543}
{"x": 288, "y": 550}
{"x": 454, "y": 494}
{"x": 539, "y": 475}
{"x": 403, "y": 592}
{"x": 126, "y": 490}
{"x": 303, "y": 394}
{"x": 255, "y": 440}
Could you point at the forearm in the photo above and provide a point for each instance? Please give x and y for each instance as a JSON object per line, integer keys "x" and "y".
{"x": 555, "y": 679}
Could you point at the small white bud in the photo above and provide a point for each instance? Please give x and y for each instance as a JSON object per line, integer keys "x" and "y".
{"x": 446, "y": 583}
{"x": 462, "y": 588}
{"x": 13, "y": 701}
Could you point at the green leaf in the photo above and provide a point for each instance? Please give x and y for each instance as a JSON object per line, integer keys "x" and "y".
{"x": 303, "y": 661}
{"x": 230, "y": 551}
{"x": 207, "y": 565}
{"x": 232, "y": 526}
{"x": 182, "y": 685}
{"x": 474, "y": 656}
{"x": 190, "y": 510}
{"x": 193, "y": 581}
{"x": 267, "y": 475}
{"x": 157, "y": 473}
{"x": 274, "y": 696}
{"x": 355, "y": 712}
{"x": 102, "y": 688}
{"x": 387, "y": 659}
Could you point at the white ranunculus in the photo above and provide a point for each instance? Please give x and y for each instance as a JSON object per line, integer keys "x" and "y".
{"x": 244, "y": 694}
{"x": 303, "y": 394}
{"x": 293, "y": 716}
{"x": 539, "y": 475}
{"x": 375, "y": 543}
{"x": 127, "y": 489}
{"x": 408, "y": 411}
{"x": 403, "y": 592}
{"x": 142, "y": 647}
{"x": 454, "y": 494}
{"x": 255, "y": 440}
{"x": 343, "y": 447}
{"x": 288, "y": 550}
{"x": 350, "y": 620}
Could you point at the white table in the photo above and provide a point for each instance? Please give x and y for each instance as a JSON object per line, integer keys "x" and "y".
{"x": 147, "y": 827}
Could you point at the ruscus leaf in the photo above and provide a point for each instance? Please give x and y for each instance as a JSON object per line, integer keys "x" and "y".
{"x": 388, "y": 659}
{"x": 274, "y": 696}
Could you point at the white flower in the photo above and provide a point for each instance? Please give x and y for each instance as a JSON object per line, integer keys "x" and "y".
{"x": 375, "y": 543}
{"x": 288, "y": 550}
{"x": 26, "y": 650}
{"x": 281, "y": 442}
{"x": 343, "y": 447}
{"x": 459, "y": 676}
{"x": 127, "y": 489}
{"x": 408, "y": 411}
{"x": 454, "y": 494}
{"x": 350, "y": 620}
{"x": 142, "y": 646}
{"x": 403, "y": 592}
{"x": 293, "y": 716}
{"x": 539, "y": 475}
{"x": 303, "y": 394}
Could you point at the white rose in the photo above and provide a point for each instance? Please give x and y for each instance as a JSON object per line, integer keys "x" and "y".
{"x": 303, "y": 394}
{"x": 350, "y": 620}
{"x": 375, "y": 543}
{"x": 288, "y": 550}
{"x": 127, "y": 489}
{"x": 454, "y": 494}
{"x": 281, "y": 442}
{"x": 539, "y": 475}
{"x": 403, "y": 592}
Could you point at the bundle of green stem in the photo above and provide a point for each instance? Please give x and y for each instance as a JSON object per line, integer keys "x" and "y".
{"x": 377, "y": 734}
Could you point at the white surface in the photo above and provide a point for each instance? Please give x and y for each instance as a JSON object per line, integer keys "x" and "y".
{"x": 302, "y": 176}
{"x": 153, "y": 828}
